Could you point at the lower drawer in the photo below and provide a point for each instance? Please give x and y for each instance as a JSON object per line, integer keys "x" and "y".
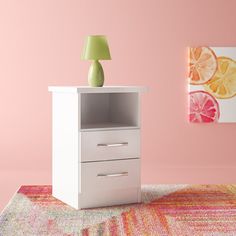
{"x": 112, "y": 197}
{"x": 109, "y": 183}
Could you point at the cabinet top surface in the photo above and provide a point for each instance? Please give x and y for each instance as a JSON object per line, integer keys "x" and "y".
{"x": 105, "y": 89}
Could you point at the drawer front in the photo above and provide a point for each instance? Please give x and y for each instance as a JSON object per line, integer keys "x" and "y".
{"x": 110, "y": 145}
{"x": 110, "y": 183}
{"x": 109, "y": 198}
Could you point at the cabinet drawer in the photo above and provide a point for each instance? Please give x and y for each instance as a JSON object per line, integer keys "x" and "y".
{"x": 110, "y": 145}
{"x": 110, "y": 183}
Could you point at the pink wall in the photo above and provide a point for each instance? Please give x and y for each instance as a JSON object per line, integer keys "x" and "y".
{"x": 40, "y": 45}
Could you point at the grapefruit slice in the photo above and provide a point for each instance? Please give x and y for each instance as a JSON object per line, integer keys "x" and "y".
{"x": 202, "y": 65}
{"x": 203, "y": 107}
{"x": 223, "y": 83}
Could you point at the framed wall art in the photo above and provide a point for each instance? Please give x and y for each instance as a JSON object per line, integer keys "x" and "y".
{"x": 212, "y": 84}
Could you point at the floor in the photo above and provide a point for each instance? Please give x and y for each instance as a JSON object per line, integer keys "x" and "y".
{"x": 11, "y": 180}
{"x": 174, "y": 210}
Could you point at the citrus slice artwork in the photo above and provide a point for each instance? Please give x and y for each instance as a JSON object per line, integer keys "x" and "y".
{"x": 202, "y": 65}
{"x": 223, "y": 83}
{"x": 212, "y": 84}
{"x": 203, "y": 107}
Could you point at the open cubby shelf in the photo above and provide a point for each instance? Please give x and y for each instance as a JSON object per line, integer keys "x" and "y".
{"x": 109, "y": 110}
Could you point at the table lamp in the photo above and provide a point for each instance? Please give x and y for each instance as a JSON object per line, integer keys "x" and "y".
{"x": 96, "y": 48}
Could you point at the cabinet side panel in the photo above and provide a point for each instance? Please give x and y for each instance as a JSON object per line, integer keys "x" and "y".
{"x": 65, "y": 147}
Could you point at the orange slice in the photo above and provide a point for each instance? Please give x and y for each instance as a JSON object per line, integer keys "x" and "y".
{"x": 223, "y": 83}
{"x": 202, "y": 65}
{"x": 203, "y": 107}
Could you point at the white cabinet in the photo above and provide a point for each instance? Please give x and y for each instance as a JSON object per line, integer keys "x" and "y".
{"x": 96, "y": 145}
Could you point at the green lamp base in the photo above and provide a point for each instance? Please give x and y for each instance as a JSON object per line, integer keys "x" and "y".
{"x": 96, "y": 74}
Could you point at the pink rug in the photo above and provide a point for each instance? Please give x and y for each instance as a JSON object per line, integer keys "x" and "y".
{"x": 179, "y": 210}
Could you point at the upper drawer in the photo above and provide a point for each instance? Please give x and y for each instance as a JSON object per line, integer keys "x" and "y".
{"x": 110, "y": 145}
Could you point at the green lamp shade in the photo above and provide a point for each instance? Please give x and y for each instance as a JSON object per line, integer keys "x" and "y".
{"x": 96, "y": 48}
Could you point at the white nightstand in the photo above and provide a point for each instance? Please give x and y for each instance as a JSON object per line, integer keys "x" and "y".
{"x": 96, "y": 145}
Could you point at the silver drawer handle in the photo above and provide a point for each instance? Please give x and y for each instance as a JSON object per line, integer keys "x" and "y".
{"x": 113, "y": 175}
{"x": 112, "y": 144}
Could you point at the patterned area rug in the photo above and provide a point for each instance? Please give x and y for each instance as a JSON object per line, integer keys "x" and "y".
{"x": 178, "y": 210}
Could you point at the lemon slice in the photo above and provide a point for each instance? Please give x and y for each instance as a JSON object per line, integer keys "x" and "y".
{"x": 223, "y": 83}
